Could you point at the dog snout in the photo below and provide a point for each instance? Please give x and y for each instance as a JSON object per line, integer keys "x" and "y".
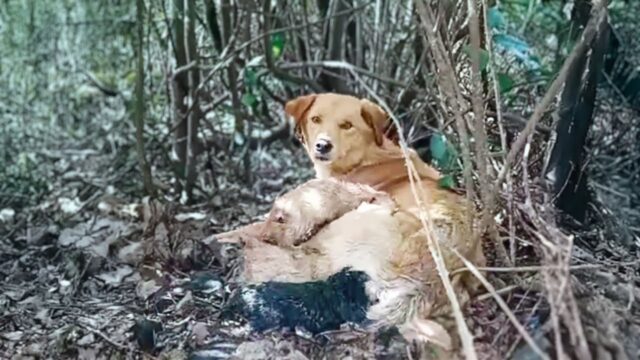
{"x": 323, "y": 146}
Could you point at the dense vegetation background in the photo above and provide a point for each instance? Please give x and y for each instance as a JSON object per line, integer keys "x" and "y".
{"x": 106, "y": 103}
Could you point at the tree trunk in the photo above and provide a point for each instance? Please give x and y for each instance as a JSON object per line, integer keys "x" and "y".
{"x": 139, "y": 103}
{"x": 212, "y": 22}
{"x": 186, "y": 110}
{"x": 335, "y": 43}
{"x": 193, "y": 117}
{"x": 575, "y": 116}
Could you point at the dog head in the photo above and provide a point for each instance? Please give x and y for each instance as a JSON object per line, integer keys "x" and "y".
{"x": 338, "y": 130}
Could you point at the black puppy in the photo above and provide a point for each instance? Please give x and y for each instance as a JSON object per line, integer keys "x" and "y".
{"x": 316, "y": 306}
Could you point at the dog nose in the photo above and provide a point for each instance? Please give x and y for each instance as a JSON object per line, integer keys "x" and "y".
{"x": 323, "y": 146}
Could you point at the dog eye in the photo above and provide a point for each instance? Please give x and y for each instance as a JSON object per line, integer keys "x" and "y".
{"x": 315, "y": 119}
{"x": 346, "y": 125}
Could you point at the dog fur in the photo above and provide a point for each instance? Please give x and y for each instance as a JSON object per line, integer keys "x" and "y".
{"x": 345, "y": 139}
{"x": 297, "y": 215}
{"x": 400, "y": 299}
{"x": 356, "y": 129}
{"x": 389, "y": 247}
{"x": 361, "y": 153}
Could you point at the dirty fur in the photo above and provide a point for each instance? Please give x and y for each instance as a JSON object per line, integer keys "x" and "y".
{"x": 299, "y": 214}
{"x": 389, "y": 247}
{"x": 361, "y": 153}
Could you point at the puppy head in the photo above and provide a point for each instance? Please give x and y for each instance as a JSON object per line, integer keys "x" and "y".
{"x": 338, "y": 130}
{"x": 286, "y": 224}
{"x": 298, "y": 215}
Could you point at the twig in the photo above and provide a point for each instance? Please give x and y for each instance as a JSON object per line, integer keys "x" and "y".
{"x": 275, "y": 70}
{"x": 345, "y": 66}
{"x": 448, "y": 85}
{"x": 477, "y": 101}
{"x": 503, "y": 305}
{"x": 532, "y": 268}
{"x": 504, "y": 290}
{"x": 578, "y": 51}
{"x": 434, "y": 246}
{"x": 515, "y": 119}
{"x": 113, "y": 343}
{"x": 185, "y": 68}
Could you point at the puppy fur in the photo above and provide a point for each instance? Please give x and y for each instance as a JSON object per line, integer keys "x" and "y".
{"x": 396, "y": 284}
{"x": 297, "y": 215}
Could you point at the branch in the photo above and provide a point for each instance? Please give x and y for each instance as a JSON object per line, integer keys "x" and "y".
{"x": 425, "y": 219}
{"x": 277, "y": 72}
{"x": 345, "y": 66}
{"x": 102, "y": 87}
{"x": 579, "y": 51}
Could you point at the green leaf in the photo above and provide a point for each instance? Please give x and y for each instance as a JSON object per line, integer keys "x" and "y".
{"x": 519, "y": 49}
{"x": 505, "y": 82}
{"x": 443, "y": 152}
{"x": 250, "y": 78}
{"x": 484, "y": 56}
{"x": 446, "y": 182}
{"x": 495, "y": 18}
{"x": 277, "y": 44}
{"x": 249, "y": 100}
{"x": 438, "y": 146}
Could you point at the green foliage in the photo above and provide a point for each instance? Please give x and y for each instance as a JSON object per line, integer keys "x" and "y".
{"x": 496, "y": 19}
{"x": 277, "y": 44}
{"x": 484, "y": 56}
{"x": 445, "y": 158}
{"x": 250, "y": 100}
{"x": 517, "y": 47}
{"x": 252, "y": 96}
{"x": 518, "y": 57}
{"x": 505, "y": 82}
{"x": 250, "y": 78}
{"x": 447, "y": 182}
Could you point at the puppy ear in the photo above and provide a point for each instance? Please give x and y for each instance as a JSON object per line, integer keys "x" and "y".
{"x": 379, "y": 122}
{"x": 297, "y": 108}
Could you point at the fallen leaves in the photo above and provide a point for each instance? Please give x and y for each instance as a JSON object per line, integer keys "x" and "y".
{"x": 6, "y": 215}
{"x": 69, "y": 206}
{"x": 116, "y": 277}
{"x": 96, "y": 235}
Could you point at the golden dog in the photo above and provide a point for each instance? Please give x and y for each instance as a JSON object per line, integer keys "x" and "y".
{"x": 344, "y": 138}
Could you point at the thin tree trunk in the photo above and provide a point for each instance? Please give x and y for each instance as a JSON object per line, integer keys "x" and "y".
{"x": 575, "y": 113}
{"x": 139, "y": 104}
{"x": 232, "y": 72}
{"x": 212, "y": 22}
{"x": 179, "y": 92}
{"x": 335, "y": 45}
{"x": 193, "y": 118}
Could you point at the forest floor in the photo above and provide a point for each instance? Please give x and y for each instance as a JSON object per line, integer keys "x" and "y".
{"x": 92, "y": 271}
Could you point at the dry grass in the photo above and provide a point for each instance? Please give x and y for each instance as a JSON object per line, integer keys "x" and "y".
{"x": 530, "y": 217}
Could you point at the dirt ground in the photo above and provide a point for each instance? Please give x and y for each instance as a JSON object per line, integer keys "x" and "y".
{"x": 90, "y": 271}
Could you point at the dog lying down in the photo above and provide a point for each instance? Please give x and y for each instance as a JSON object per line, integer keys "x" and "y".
{"x": 365, "y": 233}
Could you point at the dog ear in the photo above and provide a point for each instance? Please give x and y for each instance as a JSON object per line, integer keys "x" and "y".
{"x": 297, "y": 108}
{"x": 379, "y": 122}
